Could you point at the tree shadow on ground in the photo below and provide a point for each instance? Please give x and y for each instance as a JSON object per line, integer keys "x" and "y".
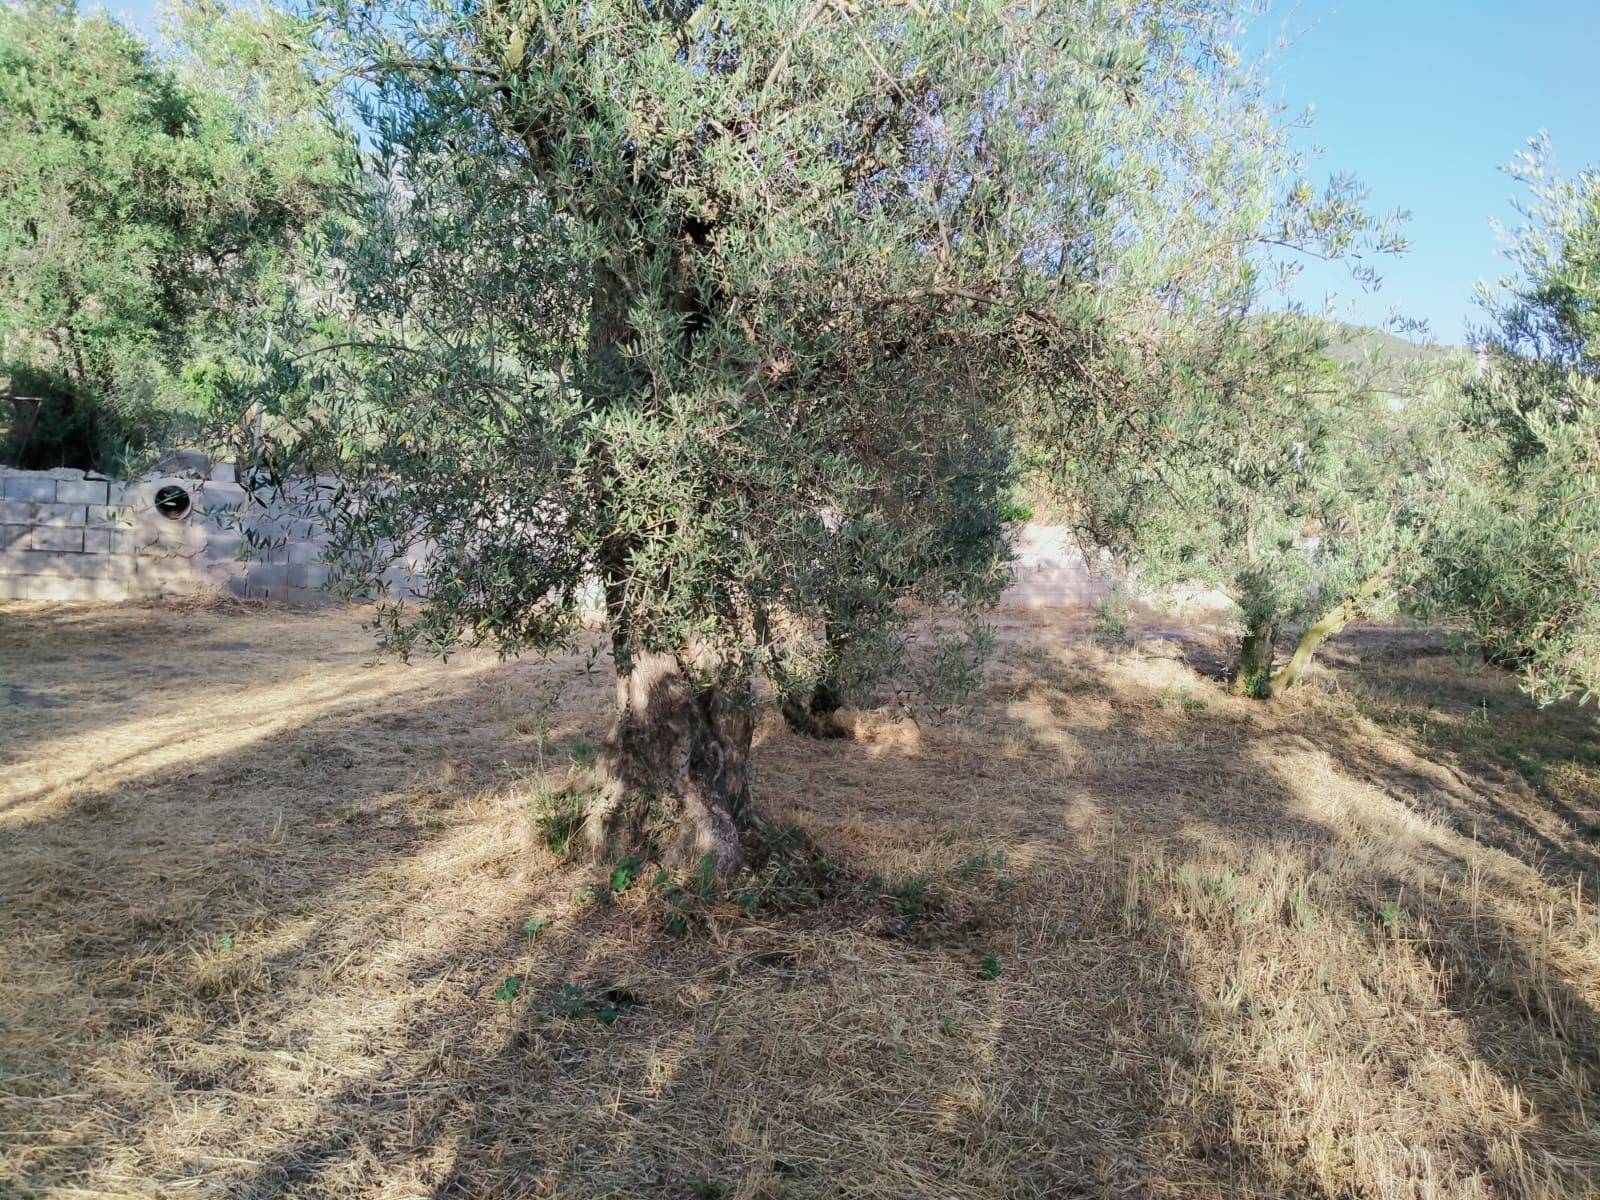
{"x": 1486, "y": 759}
{"x": 1201, "y": 989}
{"x": 86, "y": 674}
{"x": 1478, "y": 883}
{"x": 176, "y": 923}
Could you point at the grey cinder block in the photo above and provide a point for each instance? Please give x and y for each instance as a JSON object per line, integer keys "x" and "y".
{"x": 41, "y": 489}
{"x": 107, "y": 541}
{"x": 267, "y": 577}
{"x": 304, "y": 575}
{"x": 46, "y": 587}
{"x": 66, "y": 565}
{"x": 171, "y": 539}
{"x": 32, "y": 512}
{"x": 82, "y": 491}
{"x": 47, "y": 537}
{"x": 165, "y": 570}
{"x": 108, "y": 515}
{"x": 223, "y": 547}
{"x": 218, "y": 495}
{"x": 60, "y": 514}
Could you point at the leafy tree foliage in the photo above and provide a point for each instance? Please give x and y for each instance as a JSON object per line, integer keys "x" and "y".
{"x": 140, "y": 204}
{"x": 729, "y": 307}
{"x": 1263, "y": 468}
{"x": 1202, "y": 440}
{"x": 1519, "y": 557}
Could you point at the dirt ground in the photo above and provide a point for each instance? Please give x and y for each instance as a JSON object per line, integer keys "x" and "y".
{"x": 277, "y": 920}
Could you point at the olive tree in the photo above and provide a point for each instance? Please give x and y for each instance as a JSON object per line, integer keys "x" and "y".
{"x": 718, "y": 314}
{"x": 1268, "y": 470}
{"x": 1204, "y": 433}
{"x": 1518, "y": 554}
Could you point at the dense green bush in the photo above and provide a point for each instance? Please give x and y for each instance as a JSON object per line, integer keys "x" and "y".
{"x": 144, "y": 204}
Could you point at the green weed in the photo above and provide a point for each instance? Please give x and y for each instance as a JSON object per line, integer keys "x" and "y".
{"x": 558, "y": 816}
{"x": 915, "y": 899}
{"x": 1111, "y": 620}
{"x": 1176, "y": 698}
{"x": 1300, "y": 912}
{"x": 789, "y": 873}
{"x": 624, "y": 873}
{"x": 1389, "y": 915}
{"x": 506, "y": 994}
{"x": 534, "y": 926}
{"x": 572, "y": 1002}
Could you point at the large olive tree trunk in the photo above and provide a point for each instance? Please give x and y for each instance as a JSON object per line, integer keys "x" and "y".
{"x": 673, "y": 765}
{"x": 673, "y": 768}
{"x": 817, "y": 715}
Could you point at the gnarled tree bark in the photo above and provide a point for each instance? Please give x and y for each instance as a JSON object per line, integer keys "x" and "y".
{"x": 674, "y": 768}
{"x": 817, "y": 716}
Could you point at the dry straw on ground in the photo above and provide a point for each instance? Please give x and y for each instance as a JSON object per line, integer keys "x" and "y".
{"x": 260, "y": 899}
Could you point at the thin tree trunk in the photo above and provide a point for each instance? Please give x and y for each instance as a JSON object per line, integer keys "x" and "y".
{"x": 813, "y": 715}
{"x": 674, "y": 769}
{"x": 817, "y": 716}
{"x": 1331, "y": 625}
{"x": 1253, "y": 673}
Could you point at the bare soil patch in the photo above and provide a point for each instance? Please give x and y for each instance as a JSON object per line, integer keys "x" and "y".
{"x": 1111, "y": 933}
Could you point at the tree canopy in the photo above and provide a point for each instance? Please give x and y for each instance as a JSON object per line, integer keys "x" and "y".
{"x": 143, "y": 204}
{"x": 1519, "y": 558}
{"x": 731, "y": 308}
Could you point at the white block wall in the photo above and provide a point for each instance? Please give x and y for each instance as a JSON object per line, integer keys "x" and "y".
{"x": 68, "y": 535}
{"x": 71, "y": 535}
{"x": 1050, "y": 572}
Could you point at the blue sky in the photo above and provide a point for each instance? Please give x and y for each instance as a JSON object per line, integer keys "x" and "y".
{"x": 1423, "y": 100}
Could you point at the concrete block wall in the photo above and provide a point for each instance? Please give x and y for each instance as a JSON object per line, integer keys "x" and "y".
{"x": 1050, "y": 572}
{"x": 71, "y": 535}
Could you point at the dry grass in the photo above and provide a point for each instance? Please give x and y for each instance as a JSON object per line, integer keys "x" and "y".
{"x": 259, "y": 899}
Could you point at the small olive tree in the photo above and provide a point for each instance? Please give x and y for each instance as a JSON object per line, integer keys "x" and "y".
{"x": 1270, "y": 472}
{"x": 1518, "y": 555}
{"x": 1195, "y": 434}
{"x": 721, "y": 310}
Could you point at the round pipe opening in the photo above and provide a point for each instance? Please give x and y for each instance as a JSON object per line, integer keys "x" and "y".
{"x": 173, "y": 502}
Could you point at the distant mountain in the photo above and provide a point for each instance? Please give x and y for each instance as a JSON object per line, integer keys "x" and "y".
{"x": 1350, "y": 344}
